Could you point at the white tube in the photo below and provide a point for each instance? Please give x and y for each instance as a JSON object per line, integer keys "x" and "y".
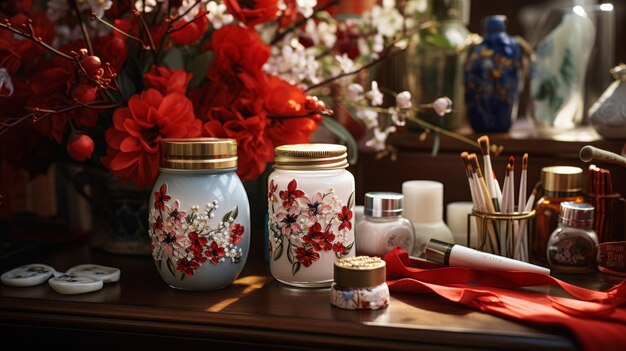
{"x": 461, "y": 256}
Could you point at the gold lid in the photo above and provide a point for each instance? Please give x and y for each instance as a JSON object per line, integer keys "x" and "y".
{"x": 562, "y": 179}
{"x": 359, "y": 272}
{"x": 199, "y": 153}
{"x": 311, "y": 156}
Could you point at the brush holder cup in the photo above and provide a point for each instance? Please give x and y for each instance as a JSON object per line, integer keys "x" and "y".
{"x": 504, "y": 234}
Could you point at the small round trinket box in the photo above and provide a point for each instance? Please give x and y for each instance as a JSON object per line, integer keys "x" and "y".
{"x": 359, "y": 284}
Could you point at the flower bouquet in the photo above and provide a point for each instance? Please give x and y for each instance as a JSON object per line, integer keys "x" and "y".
{"x": 110, "y": 79}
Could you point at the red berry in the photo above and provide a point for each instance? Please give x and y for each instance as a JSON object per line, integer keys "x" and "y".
{"x": 84, "y": 93}
{"x": 93, "y": 66}
{"x": 79, "y": 146}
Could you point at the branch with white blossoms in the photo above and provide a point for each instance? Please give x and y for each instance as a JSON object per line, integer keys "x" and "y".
{"x": 320, "y": 49}
{"x": 381, "y": 122}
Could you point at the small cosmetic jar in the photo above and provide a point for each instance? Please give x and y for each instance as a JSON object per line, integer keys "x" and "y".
{"x": 359, "y": 284}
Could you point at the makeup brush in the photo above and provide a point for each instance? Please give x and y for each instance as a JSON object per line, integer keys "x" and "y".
{"x": 522, "y": 237}
{"x": 477, "y": 196}
{"x": 482, "y": 188}
{"x": 522, "y": 184}
{"x": 504, "y": 202}
{"x": 483, "y": 185}
{"x": 511, "y": 205}
{"x": 483, "y": 141}
{"x": 470, "y": 180}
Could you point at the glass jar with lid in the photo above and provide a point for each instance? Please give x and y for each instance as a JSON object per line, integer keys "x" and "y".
{"x": 199, "y": 222}
{"x": 310, "y": 208}
{"x": 560, "y": 184}
{"x": 572, "y": 247}
{"x": 383, "y": 226}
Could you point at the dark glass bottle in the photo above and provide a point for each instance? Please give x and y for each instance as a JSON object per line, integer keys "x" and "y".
{"x": 572, "y": 247}
{"x": 560, "y": 184}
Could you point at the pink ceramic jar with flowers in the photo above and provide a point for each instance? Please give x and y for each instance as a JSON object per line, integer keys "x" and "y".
{"x": 310, "y": 204}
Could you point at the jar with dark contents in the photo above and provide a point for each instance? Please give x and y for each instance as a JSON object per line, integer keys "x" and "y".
{"x": 359, "y": 284}
{"x": 560, "y": 184}
{"x": 572, "y": 247}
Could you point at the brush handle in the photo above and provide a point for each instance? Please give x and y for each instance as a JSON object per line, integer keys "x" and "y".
{"x": 588, "y": 153}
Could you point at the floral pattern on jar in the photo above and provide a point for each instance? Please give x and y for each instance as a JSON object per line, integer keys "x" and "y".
{"x": 371, "y": 298}
{"x": 304, "y": 225}
{"x": 185, "y": 240}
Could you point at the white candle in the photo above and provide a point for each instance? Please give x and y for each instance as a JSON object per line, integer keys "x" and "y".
{"x": 456, "y": 218}
{"x": 423, "y": 206}
{"x": 423, "y": 201}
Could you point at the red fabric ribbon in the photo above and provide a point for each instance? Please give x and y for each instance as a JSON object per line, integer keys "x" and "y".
{"x": 597, "y": 319}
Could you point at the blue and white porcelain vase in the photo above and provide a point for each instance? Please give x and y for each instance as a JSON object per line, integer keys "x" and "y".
{"x": 492, "y": 78}
{"x": 199, "y": 222}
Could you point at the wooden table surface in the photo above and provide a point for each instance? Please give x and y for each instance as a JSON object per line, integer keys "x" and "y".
{"x": 255, "y": 312}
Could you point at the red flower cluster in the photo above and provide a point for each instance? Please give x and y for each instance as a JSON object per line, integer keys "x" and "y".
{"x": 241, "y": 101}
{"x": 75, "y": 84}
{"x": 316, "y": 225}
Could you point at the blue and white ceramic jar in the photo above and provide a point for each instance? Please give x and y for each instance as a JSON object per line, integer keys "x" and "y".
{"x": 199, "y": 223}
{"x": 608, "y": 114}
{"x": 492, "y": 78}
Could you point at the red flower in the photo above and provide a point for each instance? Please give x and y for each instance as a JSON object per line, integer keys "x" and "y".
{"x": 320, "y": 240}
{"x": 197, "y": 242}
{"x": 185, "y": 33}
{"x": 345, "y": 217}
{"x": 161, "y": 197}
{"x": 252, "y": 12}
{"x": 133, "y": 141}
{"x": 306, "y": 256}
{"x": 254, "y": 150}
{"x": 291, "y": 194}
{"x": 236, "y": 232}
{"x": 187, "y": 267}
{"x": 167, "y": 80}
{"x": 158, "y": 224}
{"x": 237, "y": 68}
{"x": 197, "y": 256}
{"x": 272, "y": 189}
{"x": 339, "y": 248}
{"x": 214, "y": 253}
{"x": 288, "y": 100}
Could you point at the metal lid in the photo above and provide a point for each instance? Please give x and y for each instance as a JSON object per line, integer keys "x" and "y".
{"x": 576, "y": 214}
{"x": 383, "y": 204}
{"x": 311, "y": 156}
{"x": 359, "y": 272}
{"x": 438, "y": 251}
{"x": 199, "y": 153}
{"x": 562, "y": 179}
